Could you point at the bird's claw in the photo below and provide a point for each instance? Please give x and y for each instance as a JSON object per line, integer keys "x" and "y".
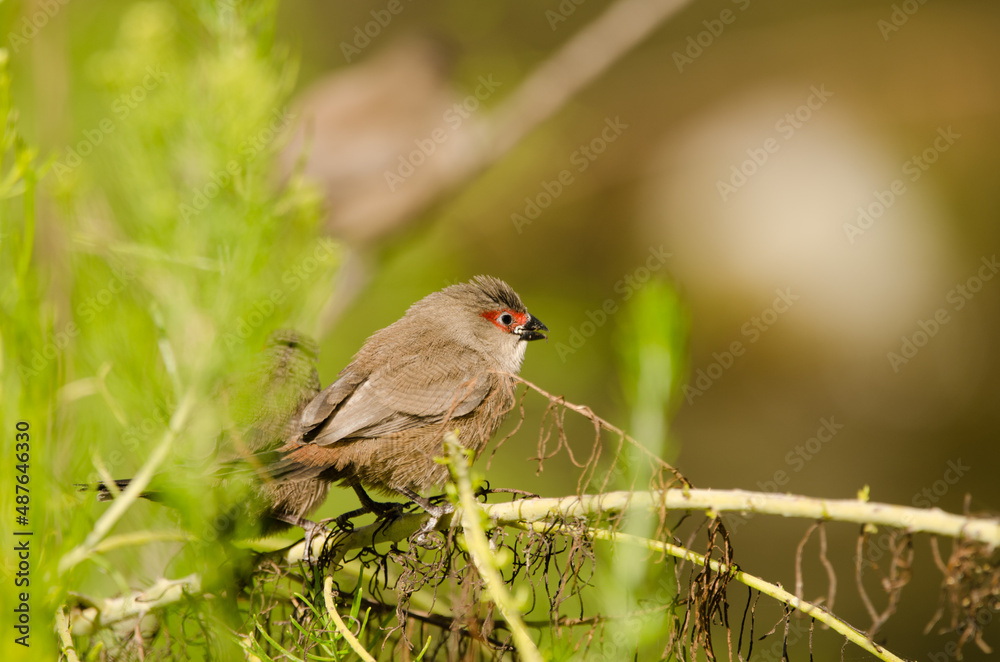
{"x": 310, "y": 534}
{"x": 422, "y": 536}
{"x": 390, "y": 510}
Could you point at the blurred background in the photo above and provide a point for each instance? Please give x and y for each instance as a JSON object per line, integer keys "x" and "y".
{"x": 817, "y": 182}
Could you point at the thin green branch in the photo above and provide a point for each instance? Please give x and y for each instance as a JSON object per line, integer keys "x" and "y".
{"x": 342, "y": 628}
{"x": 479, "y": 548}
{"x": 65, "y": 637}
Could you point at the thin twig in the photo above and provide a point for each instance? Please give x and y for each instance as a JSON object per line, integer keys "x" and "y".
{"x": 479, "y": 548}
{"x": 830, "y": 574}
{"x": 65, "y": 637}
{"x": 600, "y": 423}
{"x": 342, "y": 628}
{"x": 798, "y": 559}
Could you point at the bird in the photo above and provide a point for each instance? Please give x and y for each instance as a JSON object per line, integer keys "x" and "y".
{"x": 264, "y": 407}
{"x": 355, "y": 129}
{"x": 263, "y": 404}
{"x": 449, "y": 364}
{"x": 357, "y": 123}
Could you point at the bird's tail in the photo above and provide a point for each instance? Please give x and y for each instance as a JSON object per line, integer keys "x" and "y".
{"x": 104, "y": 493}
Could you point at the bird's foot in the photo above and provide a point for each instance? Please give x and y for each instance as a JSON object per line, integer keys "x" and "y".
{"x": 311, "y": 532}
{"x": 434, "y": 500}
{"x": 483, "y": 490}
{"x": 343, "y": 521}
{"x": 423, "y": 535}
{"x": 311, "y": 529}
{"x": 387, "y": 509}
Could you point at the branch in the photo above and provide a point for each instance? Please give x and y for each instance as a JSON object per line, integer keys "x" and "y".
{"x": 528, "y": 511}
{"x": 917, "y": 520}
{"x": 87, "y": 620}
{"x": 810, "y": 609}
{"x": 574, "y": 66}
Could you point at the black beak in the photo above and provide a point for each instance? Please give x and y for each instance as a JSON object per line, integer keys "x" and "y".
{"x": 533, "y": 329}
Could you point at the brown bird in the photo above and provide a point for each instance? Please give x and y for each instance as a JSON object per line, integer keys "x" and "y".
{"x": 264, "y": 408}
{"x": 357, "y": 128}
{"x": 357, "y": 123}
{"x": 447, "y": 364}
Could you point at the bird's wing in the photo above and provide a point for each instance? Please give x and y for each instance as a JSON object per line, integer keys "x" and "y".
{"x": 408, "y": 391}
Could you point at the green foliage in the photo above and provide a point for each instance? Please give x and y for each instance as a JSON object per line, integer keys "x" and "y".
{"x": 653, "y": 349}
{"x": 169, "y": 255}
{"x": 25, "y": 399}
{"x": 652, "y": 344}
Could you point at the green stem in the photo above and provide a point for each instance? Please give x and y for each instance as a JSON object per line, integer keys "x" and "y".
{"x": 483, "y": 558}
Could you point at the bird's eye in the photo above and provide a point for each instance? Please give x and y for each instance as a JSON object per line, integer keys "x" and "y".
{"x": 506, "y": 319}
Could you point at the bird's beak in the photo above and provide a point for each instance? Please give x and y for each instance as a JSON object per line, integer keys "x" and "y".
{"x": 533, "y": 329}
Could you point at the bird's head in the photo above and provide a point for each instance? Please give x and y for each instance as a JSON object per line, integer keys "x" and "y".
{"x": 487, "y": 314}
{"x": 500, "y": 305}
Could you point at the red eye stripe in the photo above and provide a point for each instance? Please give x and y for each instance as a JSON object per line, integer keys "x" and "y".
{"x": 520, "y": 319}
